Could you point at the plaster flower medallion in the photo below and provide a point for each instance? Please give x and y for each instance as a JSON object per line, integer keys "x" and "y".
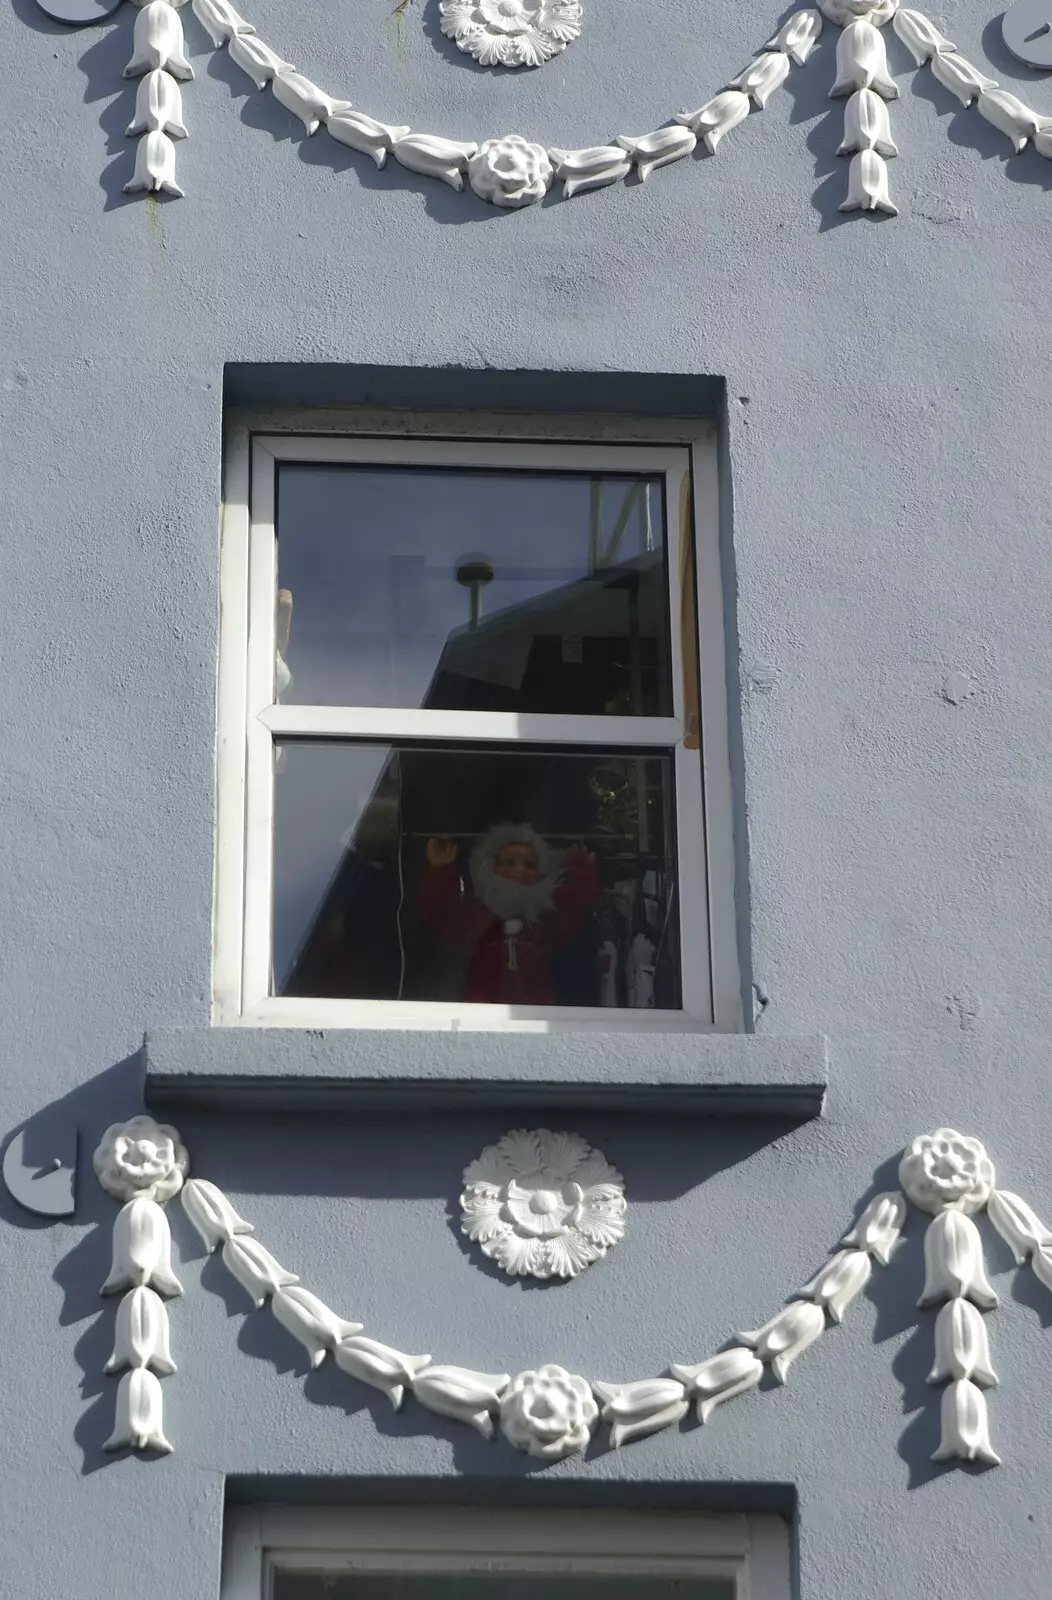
{"x": 542, "y": 1204}
{"x": 511, "y": 33}
{"x": 141, "y": 1160}
{"x": 947, "y": 1170}
{"x": 549, "y": 1413}
{"x": 510, "y": 171}
{"x": 844, "y": 11}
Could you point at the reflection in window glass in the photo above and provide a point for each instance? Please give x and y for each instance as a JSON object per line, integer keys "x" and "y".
{"x": 473, "y": 590}
{"x": 515, "y": 876}
{"x": 497, "y": 1586}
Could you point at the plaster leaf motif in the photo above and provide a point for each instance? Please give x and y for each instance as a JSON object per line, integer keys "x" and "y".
{"x": 140, "y": 1414}
{"x": 731, "y": 1373}
{"x": 305, "y": 100}
{"x": 511, "y": 33}
{"x": 635, "y": 1409}
{"x": 798, "y": 36}
{"x": 1007, "y": 113}
{"x": 866, "y": 125}
{"x": 960, "y": 77}
{"x": 581, "y": 170}
{"x": 962, "y": 1349}
{"x": 255, "y": 1268}
{"x": 549, "y": 1413}
{"x": 157, "y": 41}
{"x": 919, "y": 34}
{"x": 762, "y": 77}
{"x": 653, "y": 150}
{"x": 142, "y": 1251}
{"x": 1019, "y": 1226}
{"x": 862, "y": 62}
{"x": 879, "y": 1228}
{"x": 836, "y": 1284}
{"x": 965, "y": 1425}
{"x": 158, "y": 106}
{"x": 787, "y": 1335}
{"x": 257, "y": 59}
{"x": 211, "y": 1214}
{"x": 712, "y": 120}
{"x": 141, "y": 1337}
{"x": 953, "y": 1262}
{"x": 466, "y": 1396}
{"x": 446, "y": 159}
{"x": 309, "y": 1320}
{"x": 372, "y": 138}
{"x": 379, "y": 1365}
{"x": 543, "y": 1204}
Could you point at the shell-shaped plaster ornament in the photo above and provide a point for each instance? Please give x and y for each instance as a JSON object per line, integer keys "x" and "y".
{"x": 466, "y": 1396}
{"x": 305, "y": 100}
{"x": 862, "y": 62}
{"x": 960, "y": 77}
{"x": 141, "y": 1336}
{"x": 787, "y": 1335}
{"x": 154, "y": 167}
{"x": 836, "y": 1284}
{"x": 380, "y": 1366}
{"x": 220, "y": 20}
{"x": 720, "y": 1378}
{"x": 635, "y": 1409}
{"x": 142, "y": 1243}
{"x": 762, "y": 76}
{"x": 139, "y": 1414}
{"x": 919, "y": 34}
{"x": 1011, "y": 117}
{"x": 652, "y": 150}
{"x": 866, "y": 125}
{"x": 965, "y": 1426}
{"x": 261, "y": 63}
{"x": 157, "y": 41}
{"x": 798, "y": 36}
{"x": 212, "y": 1215}
{"x": 255, "y": 1268}
{"x": 1019, "y": 1226}
{"x": 434, "y": 157}
{"x": 962, "y": 1349}
{"x": 867, "y": 185}
{"x": 953, "y": 1262}
{"x": 880, "y": 1226}
{"x": 581, "y": 170}
{"x": 510, "y": 171}
{"x": 717, "y": 117}
{"x": 158, "y": 106}
{"x": 309, "y": 1320}
{"x": 511, "y": 33}
{"x": 364, "y": 133}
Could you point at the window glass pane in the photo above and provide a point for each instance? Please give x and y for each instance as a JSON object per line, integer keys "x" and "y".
{"x": 517, "y": 876}
{"x": 472, "y": 590}
{"x": 493, "y": 1586}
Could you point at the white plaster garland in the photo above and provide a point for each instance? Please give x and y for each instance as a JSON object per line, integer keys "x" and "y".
{"x": 543, "y": 1204}
{"x": 142, "y": 1163}
{"x": 547, "y": 1411}
{"x": 513, "y": 172}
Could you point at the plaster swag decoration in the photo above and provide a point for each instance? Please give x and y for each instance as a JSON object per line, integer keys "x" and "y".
{"x": 548, "y": 1412}
{"x": 511, "y": 33}
{"x": 142, "y": 1163}
{"x": 542, "y": 1204}
{"x": 512, "y": 171}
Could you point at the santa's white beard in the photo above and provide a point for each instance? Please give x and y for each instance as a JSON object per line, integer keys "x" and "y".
{"x": 508, "y": 899}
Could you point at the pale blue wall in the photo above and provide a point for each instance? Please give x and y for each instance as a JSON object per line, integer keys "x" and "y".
{"x": 888, "y": 422}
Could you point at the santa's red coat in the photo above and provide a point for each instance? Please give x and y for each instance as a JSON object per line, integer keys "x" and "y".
{"x": 456, "y": 916}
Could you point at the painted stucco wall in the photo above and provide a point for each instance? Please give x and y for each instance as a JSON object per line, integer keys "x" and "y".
{"x": 888, "y": 418}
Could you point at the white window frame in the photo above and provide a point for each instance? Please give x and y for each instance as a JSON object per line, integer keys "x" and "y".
{"x": 754, "y": 1551}
{"x": 250, "y": 720}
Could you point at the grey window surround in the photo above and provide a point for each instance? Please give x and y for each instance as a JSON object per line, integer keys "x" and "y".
{"x": 290, "y": 1069}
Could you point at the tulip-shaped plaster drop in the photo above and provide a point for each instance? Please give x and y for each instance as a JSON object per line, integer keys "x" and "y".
{"x": 466, "y": 1396}
{"x": 154, "y": 167}
{"x": 636, "y": 1409}
{"x": 1010, "y": 116}
{"x": 140, "y": 1414}
{"x": 798, "y": 36}
{"x": 581, "y": 170}
{"x": 959, "y": 76}
{"x": 255, "y": 1268}
{"x": 446, "y": 159}
{"x": 220, "y": 20}
{"x": 836, "y": 1284}
{"x": 965, "y": 1426}
{"x": 211, "y": 1213}
{"x": 867, "y": 185}
{"x": 717, "y": 117}
{"x": 257, "y": 59}
{"x": 142, "y": 1242}
{"x": 309, "y": 1320}
{"x": 653, "y": 150}
{"x": 862, "y": 62}
{"x": 372, "y": 138}
{"x": 158, "y": 106}
{"x": 1019, "y": 1226}
{"x": 379, "y": 1365}
{"x": 787, "y": 1335}
{"x": 962, "y": 1349}
{"x": 157, "y": 41}
{"x": 866, "y": 125}
{"x": 919, "y": 34}
{"x": 305, "y": 100}
{"x": 880, "y": 1226}
{"x": 141, "y": 1336}
{"x": 720, "y": 1378}
{"x": 953, "y": 1262}
{"x": 762, "y": 77}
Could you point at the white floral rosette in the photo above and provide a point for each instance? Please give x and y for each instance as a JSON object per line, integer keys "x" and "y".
{"x": 511, "y": 33}
{"x": 141, "y": 1160}
{"x": 947, "y": 1170}
{"x": 844, "y": 12}
{"x": 549, "y": 1413}
{"x": 543, "y": 1204}
{"x": 510, "y": 171}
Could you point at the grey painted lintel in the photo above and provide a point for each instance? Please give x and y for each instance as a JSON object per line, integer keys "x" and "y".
{"x": 289, "y": 1069}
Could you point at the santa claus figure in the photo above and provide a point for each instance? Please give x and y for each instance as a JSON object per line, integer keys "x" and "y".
{"x": 522, "y": 900}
